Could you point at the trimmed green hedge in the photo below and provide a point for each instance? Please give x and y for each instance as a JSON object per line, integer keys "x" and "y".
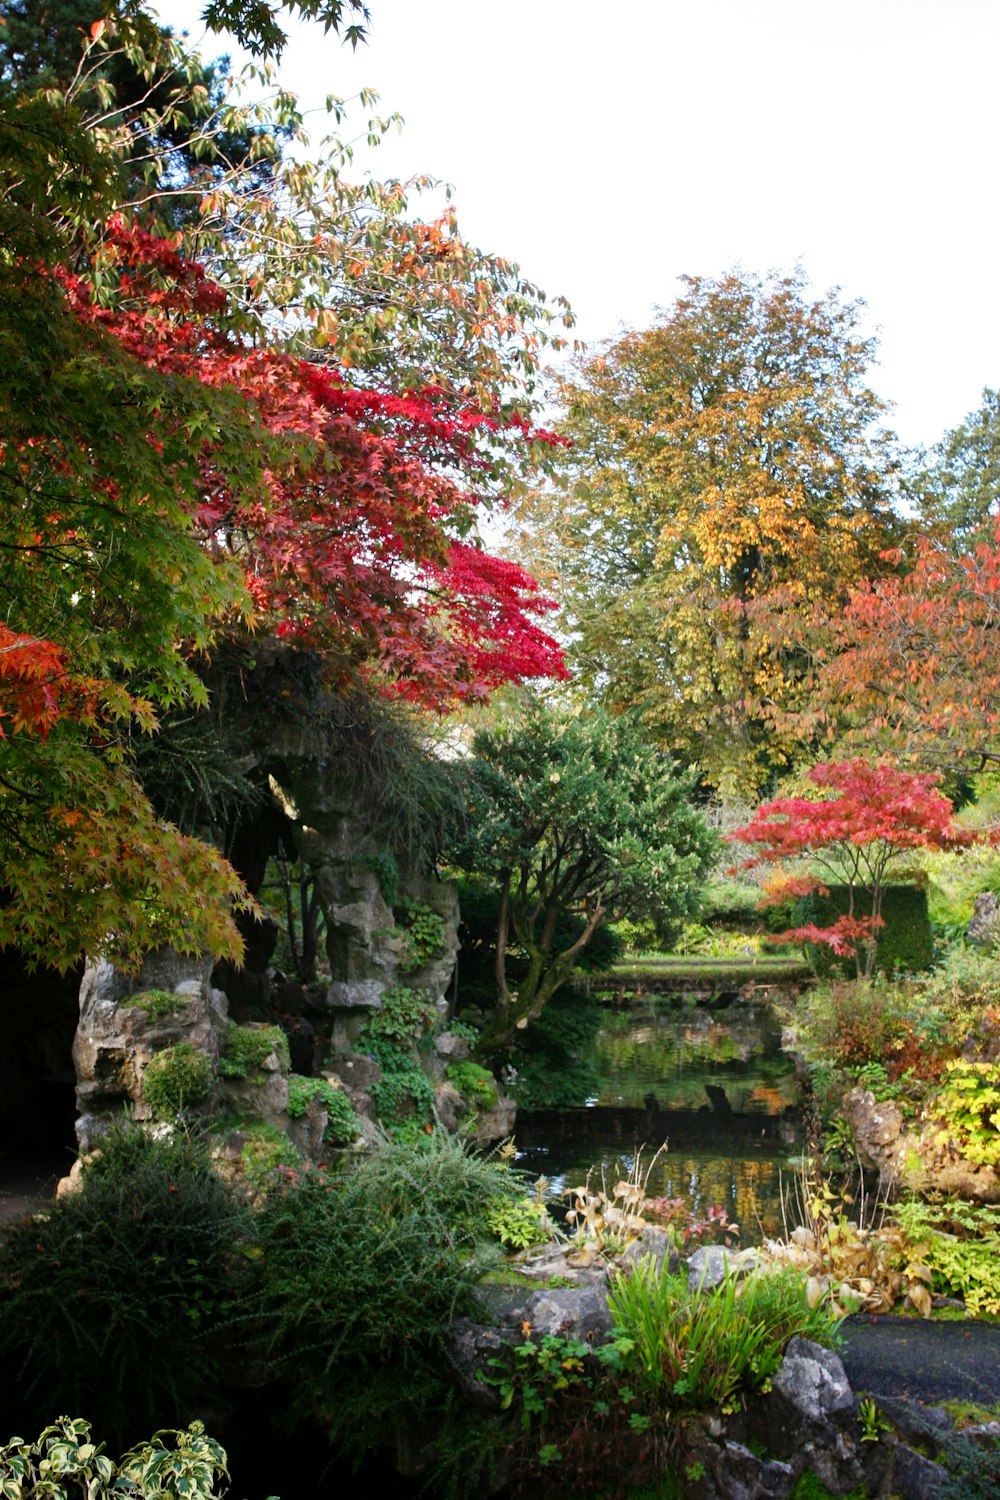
{"x": 905, "y": 942}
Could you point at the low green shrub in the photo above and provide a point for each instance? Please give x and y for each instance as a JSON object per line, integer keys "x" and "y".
{"x": 245, "y": 1049}
{"x": 969, "y": 1106}
{"x": 110, "y": 1300}
{"x": 266, "y": 1152}
{"x": 852, "y": 1022}
{"x": 973, "y": 1467}
{"x": 64, "y": 1463}
{"x": 403, "y": 1096}
{"x": 342, "y": 1122}
{"x": 967, "y": 974}
{"x": 519, "y": 1225}
{"x": 424, "y": 929}
{"x": 960, "y": 1243}
{"x": 177, "y": 1079}
{"x": 362, "y": 1273}
{"x": 404, "y": 1016}
{"x": 464, "y": 1032}
{"x": 809, "y": 1486}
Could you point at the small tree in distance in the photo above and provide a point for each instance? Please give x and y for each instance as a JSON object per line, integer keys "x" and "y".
{"x": 574, "y": 815}
{"x": 856, "y": 834}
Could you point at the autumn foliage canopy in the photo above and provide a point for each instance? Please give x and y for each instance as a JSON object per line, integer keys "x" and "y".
{"x": 352, "y": 541}
{"x": 178, "y": 468}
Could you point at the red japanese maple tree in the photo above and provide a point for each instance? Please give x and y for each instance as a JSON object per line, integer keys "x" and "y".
{"x": 357, "y": 541}
{"x": 855, "y": 832}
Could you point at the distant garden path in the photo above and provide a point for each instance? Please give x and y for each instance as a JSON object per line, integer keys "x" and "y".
{"x": 923, "y": 1361}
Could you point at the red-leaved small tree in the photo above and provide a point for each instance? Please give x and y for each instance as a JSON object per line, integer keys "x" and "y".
{"x": 866, "y": 818}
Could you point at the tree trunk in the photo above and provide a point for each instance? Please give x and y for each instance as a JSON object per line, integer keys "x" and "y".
{"x": 516, "y": 1009}
{"x": 525, "y": 1005}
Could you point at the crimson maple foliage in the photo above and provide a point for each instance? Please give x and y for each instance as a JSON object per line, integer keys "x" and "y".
{"x": 855, "y": 833}
{"x": 32, "y": 682}
{"x": 358, "y": 544}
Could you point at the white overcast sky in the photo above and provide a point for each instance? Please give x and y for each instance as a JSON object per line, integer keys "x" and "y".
{"x": 609, "y": 149}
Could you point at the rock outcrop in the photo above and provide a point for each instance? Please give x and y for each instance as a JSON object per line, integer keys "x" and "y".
{"x": 118, "y": 1036}
{"x": 920, "y": 1155}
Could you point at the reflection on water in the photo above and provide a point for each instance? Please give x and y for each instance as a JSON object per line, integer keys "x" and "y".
{"x": 714, "y": 1084}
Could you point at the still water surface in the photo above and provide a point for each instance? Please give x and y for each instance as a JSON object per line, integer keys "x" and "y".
{"x": 713, "y": 1083}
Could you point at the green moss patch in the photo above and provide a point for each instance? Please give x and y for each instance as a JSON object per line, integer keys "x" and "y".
{"x": 246, "y": 1049}
{"x": 342, "y": 1122}
{"x": 157, "y": 1003}
{"x": 176, "y": 1079}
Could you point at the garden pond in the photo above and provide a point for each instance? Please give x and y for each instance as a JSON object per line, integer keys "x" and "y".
{"x": 713, "y": 1082}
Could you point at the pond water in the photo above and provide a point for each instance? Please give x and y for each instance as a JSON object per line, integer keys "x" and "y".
{"x": 713, "y": 1083}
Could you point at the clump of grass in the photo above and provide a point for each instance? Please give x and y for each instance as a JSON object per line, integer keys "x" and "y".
{"x": 362, "y": 1273}
{"x": 696, "y": 1351}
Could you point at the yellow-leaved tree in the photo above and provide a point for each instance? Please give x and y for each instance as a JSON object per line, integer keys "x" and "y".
{"x": 729, "y": 480}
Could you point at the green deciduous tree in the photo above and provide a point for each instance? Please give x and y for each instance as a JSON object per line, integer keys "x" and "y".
{"x": 575, "y": 815}
{"x": 728, "y": 472}
{"x": 958, "y": 489}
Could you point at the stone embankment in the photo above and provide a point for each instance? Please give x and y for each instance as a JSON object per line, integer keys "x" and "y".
{"x": 811, "y": 1421}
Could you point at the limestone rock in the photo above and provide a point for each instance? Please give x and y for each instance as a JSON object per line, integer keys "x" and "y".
{"x": 307, "y": 1131}
{"x": 884, "y": 1144}
{"x": 471, "y": 1348}
{"x": 263, "y": 1096}
{"x": 710, "y": 1265}
{"x": 984, "y": 925}
{"x": 356, "y": 1074}
{"x": 915, "y": 1477}
{"x": 915, "y": 1423}
{"x": 654, "y": 1245}
{"x": 115, "y": 1041}
{"x": 740, "y": 1475}
{"x": 553, "y": 1259}
{"x": 453, "y": 1047}
{"x": 572, "y": 1312}
{"x": 493, "y": 1124}
{"x": 877, "y": 1129}
{"x": 449, "y": 1106}
{"x": 813, "y": 1381}
{"x": 73, "y": 1180}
